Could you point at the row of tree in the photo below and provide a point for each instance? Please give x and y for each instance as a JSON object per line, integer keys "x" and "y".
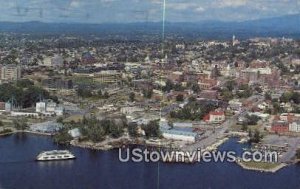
{"x": 193, "y": 111}
{"x": 23, "y": 93}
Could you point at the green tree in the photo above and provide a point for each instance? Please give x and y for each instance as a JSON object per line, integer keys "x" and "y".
{"x": 169, "y": 86}
{"x": 255, "y": 137}
{"x": 196, "y": 88}
{"x": 298, "y": 154}
{"x": 20, "y": 124}
{"x": 132, "y": 96}
{"x": 60, "y": 120}
{"x": 62, "y": 137}
{"x": 106, "y": 95}
{"x": 179, "y": 98}
{"x": 133, "y": 130}
{"x": 244, "y": 126}
{"x": 116, "y": 130}
{"x": 152, "y": 129}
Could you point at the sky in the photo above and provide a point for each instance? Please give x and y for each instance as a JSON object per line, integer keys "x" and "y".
{"x": 125, "y": 11}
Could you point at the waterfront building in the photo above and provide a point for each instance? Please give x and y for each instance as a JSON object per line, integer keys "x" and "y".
{"x": 177, "y": 133}
{"x": 48, "y": 107}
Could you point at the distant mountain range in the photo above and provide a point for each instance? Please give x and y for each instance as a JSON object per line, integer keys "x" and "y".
{"x": 285, "y": 26}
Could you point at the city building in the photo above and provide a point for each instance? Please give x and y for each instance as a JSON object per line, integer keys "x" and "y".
{"x": 57, "y": 83}
{"x": 48, "y": 107}
{"x": 2, "y": 106}
{"x": 57, "y": 61}
{"x": 280, "y": 126}
{"x": 10, "y": 72}
{"x": 108, "y": 77}
{"x": 294, "y": 126}
{"x": 215, "y": 117}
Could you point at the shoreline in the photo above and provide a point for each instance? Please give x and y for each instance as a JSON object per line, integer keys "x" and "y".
{"x": 272, "y": 170}
{"x": 121, "y": 142}
{"x": 26, "y": 131}
{"x": 107, "y": 145}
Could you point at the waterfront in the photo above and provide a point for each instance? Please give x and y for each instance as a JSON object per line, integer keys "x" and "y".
{"x": 102, "y": 169}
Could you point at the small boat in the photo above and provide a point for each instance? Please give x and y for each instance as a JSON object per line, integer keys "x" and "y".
{"x": 55, "y": 155}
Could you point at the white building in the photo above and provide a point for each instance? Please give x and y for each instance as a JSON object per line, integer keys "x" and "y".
{"x": 57, "y": 61}
{"x": 10, "y": 72}
{"x": 177, "y": 133}
{"x": 40, "y": 107}
{"x": 26, "y": 114}
{"x": 49, "y": 107}
{"x": 295, "y": 126}
{"x": 75, "y": 133}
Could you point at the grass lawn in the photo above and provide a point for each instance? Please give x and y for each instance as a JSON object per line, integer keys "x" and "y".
{"x": 260, "y": 165}
{"x": 75, "y": 118}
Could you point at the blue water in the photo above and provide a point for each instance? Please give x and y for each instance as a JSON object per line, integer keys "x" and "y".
{"x": 96, "y": 169}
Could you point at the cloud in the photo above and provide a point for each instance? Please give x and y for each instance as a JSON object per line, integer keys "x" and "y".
{"x": 230, "y": 3}
{"x": 180, "y": 6}
{"x": 74, "y": 4}
{"x": 200, "y": 9}
{"x": 177, "y": 10}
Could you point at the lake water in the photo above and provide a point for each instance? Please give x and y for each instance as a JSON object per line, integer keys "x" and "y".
{"x": 97, "y": 169}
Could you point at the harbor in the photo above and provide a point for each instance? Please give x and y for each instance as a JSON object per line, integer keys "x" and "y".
{"x": 91, "y": 167}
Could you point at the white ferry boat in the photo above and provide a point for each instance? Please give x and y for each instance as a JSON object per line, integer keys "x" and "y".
{"x": 55, "y": 155}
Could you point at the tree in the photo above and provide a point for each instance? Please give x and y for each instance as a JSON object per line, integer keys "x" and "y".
{"x": 148, "y": 93}
{"x": 99, "y": 93}
{"x": 298, "y": 154}
{"x": 255, "y": 137}
{"x": 244, "y": 126}
{"x": 169, "y": 86}
{"x": 132, "y": 96}
{"x": 196, "y": 88}
{"x": 62, "y": 137}
{"x": 20, "y": 124}
{"x": 60, "y": 120}
{"x": 226, "y": 94}
{"x": 115, "y": 130}
{"x": 84, "y": 92}
{"x": 179, "y": 98}
{"x": 268, "y": 96}
{"x": 230, "y": 85}
{"x": 192, "y": 99}
{"x": 151, "y": 129}
{"x": 133, "y": 130}
{"x": 251, "y": 119}
{"x": 106, "y": 95}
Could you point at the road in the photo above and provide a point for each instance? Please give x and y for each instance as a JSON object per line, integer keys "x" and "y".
{"x": 211, "y": 137}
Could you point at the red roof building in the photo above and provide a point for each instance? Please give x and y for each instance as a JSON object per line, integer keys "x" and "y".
{"x": 280, "y": 127}
{"x": 215, "y": 117}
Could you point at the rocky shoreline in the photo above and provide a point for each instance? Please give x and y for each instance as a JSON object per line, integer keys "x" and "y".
{"x": 107, "y": 144}
{"x": 272, "y": 170}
